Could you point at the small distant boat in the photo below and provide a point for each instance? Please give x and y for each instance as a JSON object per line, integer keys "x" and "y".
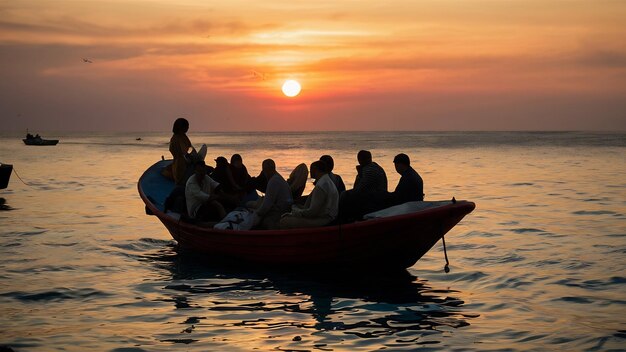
{"x": 5, "y": 175}
{"x": 37, "y": 140}
{"x": 394, "y": 240}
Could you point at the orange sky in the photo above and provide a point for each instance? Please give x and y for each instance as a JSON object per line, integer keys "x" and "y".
{"x": 363, "y": 65}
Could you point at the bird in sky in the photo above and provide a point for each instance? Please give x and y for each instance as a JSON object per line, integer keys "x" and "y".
{"x": 87, "y": 61}
{"x": 261, "y": 75}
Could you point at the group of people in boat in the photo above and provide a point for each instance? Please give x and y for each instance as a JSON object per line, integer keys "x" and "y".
{"x": 209, "y": 195}
{"x": 30, "y": 136}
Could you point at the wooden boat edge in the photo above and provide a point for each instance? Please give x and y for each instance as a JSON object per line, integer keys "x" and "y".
{"x": 461, "y": 206}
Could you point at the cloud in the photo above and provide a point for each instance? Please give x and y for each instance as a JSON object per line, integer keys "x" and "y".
{"x": 601, "y": 58}
{"x": 68, "y": 29}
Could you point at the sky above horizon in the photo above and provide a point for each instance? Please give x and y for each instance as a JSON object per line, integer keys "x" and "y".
{"x": 363, "y": 65}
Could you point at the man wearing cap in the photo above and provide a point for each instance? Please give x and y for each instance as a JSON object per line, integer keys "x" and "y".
{"x": 410, "y": 187}
{"x": 224, "y": 176}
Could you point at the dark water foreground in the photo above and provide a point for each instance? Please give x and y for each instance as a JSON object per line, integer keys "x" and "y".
{"x": 191, "y": 302}
{"x": 540, "y": 264}
{"x": 291, "y": 309}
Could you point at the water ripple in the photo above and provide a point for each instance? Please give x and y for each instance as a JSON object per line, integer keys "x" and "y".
{"x": 59, "y": 294}
{"x": 527, "y": 230}
{"x": 26, "y": 233}
{"x": 581, "y": 300}
{"x": 512, "y": 282}
{"x": 595, "y": 284}
{"x": 70, "y": 244}
{"x": 498, "y": 259}
{"x": 594, "y": 212}
{"x": 142, "y": 244}
{"x": 469, "y": 276}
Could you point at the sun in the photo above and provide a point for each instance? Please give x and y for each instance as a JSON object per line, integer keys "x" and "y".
{"x": 291, "y": 88}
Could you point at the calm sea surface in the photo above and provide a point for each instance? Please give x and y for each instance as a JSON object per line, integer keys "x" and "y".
{"x": 539, "y": 265}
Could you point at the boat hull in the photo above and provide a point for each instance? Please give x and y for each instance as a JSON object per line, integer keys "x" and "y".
{"x": 5, "y": 175}
{"x": 391, "y": 242}
{"x": 40, "y": 141}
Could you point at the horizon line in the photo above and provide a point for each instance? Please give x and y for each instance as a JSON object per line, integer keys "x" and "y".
{"x": 323, "y": 131}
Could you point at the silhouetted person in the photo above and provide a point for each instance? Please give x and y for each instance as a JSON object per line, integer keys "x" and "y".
{"x": 202, "y": 194}
{"x": 337, "y": 180}
{"x": 321, "y": 205}
{"x": 370, "y": 176}
{"x": 239, "y": 171}
{"x": 277, "y": 200}
{"x": 244, "y": 182}
{"x": 223, "y": 174}
{"x": 369, "y": 193}
{"x": 182, "y": 152}
{"x": 233, "y": 194}
{"x": 411, "y": 186}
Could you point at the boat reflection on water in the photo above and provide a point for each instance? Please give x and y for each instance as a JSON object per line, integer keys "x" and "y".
{"x": 340, "y": 307}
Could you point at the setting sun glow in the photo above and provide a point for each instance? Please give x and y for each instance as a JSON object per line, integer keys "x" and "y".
{"x": 291, "y": 88}
{"x": 406, "y": 65}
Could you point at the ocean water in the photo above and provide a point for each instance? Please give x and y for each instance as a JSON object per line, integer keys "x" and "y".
{"x": 539, "y": 265}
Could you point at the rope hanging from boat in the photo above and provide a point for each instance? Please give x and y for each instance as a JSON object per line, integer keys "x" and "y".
{"x": 446, "y": 268}
{"x": 18, "y": 176}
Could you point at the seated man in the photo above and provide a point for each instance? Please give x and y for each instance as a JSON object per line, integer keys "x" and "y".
{"x": 370, "y": 176}
{"x": 321, "y": 205}
{"x": 411, "y": 186}
{"x": 223, "y": 175}
{"x": 232, "y": 194}
{"x": 277, "y": 200}
{"x": 202, "y": 194}
{"x": 337, "y": 180}
{"x": 369, "y": 192}
{"x": 242, "y": 179}
{"x": 239, "y": 171}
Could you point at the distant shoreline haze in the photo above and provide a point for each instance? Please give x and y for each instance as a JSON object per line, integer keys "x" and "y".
{"x": 348, "y": 141}
{"x": 72, "y": 132}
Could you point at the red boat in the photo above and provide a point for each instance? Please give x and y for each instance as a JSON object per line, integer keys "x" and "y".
{"x": 387, "y": 241}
